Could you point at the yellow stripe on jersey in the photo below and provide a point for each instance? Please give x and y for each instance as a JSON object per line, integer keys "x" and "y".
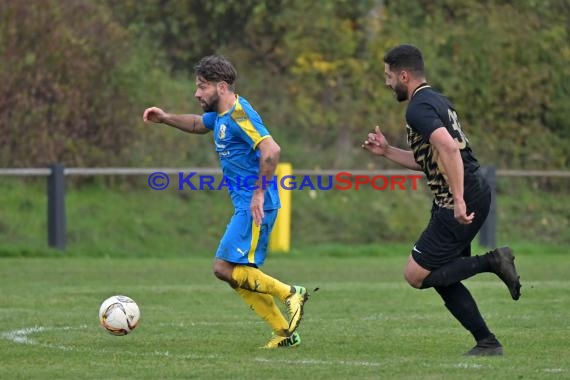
{"x": 255, "y": 230}
{"x": 241, "y": 118}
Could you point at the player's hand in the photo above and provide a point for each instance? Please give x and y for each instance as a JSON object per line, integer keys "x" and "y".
{"x": 153, "y": 114}
{"x": 460, "y": 212}
{"x": 256, "y": 207}
{"x": 376, "y": 142}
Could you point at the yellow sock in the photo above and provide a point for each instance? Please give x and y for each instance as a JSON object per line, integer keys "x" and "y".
{"x": 265, "y": 307}
{"x": 255, "y": 280}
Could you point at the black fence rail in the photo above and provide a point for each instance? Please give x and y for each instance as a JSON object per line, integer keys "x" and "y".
{"x": 56, "y": 174}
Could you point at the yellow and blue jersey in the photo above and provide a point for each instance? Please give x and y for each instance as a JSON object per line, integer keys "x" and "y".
{"x": 237, "y": 133}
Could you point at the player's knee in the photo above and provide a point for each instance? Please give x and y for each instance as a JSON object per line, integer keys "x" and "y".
{"x": 415, "y": 273}
{"x": 413, "y": 279}
{"x": 219, "y": 274}
{"x": 222, "y": 272}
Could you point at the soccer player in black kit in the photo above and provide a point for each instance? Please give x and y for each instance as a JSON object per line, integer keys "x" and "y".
{"x": 441, "y": 257}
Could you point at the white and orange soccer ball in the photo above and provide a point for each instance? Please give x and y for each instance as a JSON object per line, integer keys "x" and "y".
{"x": 119, "y": 315}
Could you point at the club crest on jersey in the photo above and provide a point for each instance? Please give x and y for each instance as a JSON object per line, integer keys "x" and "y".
{"x": 222, "y": 132}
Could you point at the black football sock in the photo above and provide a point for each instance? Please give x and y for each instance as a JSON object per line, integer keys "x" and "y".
{"x": 456, "y": 271}
{"x": 462, "y": 306}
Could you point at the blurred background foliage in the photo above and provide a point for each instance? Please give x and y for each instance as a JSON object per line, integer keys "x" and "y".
{"x": 76, "y": 75}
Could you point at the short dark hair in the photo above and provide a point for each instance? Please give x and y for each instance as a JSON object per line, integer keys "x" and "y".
{"x": 405, "y": 57}
{"x": 216, "y": 68}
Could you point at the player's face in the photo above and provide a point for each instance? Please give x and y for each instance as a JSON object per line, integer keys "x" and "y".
{"x": 207, "y": 94}
{"x": 393, "y": 82}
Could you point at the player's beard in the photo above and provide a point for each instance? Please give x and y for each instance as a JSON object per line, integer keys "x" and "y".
{"x": 401, "y": 92}
{"x": 210, "y": 105}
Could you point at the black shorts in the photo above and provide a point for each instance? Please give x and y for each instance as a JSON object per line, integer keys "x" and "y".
{"x": 445, "y": 239}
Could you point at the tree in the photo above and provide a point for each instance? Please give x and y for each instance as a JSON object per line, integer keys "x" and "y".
{"x": 61, "y": 97}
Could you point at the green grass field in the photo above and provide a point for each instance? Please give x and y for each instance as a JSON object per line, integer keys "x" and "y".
{"x": 363, "y": 323}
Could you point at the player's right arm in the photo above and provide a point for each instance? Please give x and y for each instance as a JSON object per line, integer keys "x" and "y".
{"x": 188, "y": 123}
{"x": 377, "y": 144}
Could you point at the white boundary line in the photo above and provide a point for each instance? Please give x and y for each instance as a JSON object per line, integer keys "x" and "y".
{"x": 319, "y": 362}
{"x": 22, "y": 336}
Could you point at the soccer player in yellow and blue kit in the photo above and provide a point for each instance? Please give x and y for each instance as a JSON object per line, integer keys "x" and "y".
{"x": 246, "y": 150}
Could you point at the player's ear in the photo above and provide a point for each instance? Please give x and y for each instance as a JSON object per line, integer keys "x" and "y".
{"x": 223, "y": 86}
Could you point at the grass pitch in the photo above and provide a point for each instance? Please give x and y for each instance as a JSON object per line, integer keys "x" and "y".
{"x": 363, "y": 323}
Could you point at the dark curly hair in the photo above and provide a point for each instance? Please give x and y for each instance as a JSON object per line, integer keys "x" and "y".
{"x": 216, "y": 68}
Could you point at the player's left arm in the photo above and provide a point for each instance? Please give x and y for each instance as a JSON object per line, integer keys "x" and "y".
{"x": 450, "y": 158}
{"x": 269, "y": 152}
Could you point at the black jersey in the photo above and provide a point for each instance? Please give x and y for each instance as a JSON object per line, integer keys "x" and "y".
{"x": 427, "y": 111}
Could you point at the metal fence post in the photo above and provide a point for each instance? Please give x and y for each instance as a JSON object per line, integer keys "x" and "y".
{"x": 56, "y": 207}
{"x": 488, "y": 232}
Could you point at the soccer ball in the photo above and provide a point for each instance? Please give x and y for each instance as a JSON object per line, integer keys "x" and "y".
{"x": 119, "y": 315}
